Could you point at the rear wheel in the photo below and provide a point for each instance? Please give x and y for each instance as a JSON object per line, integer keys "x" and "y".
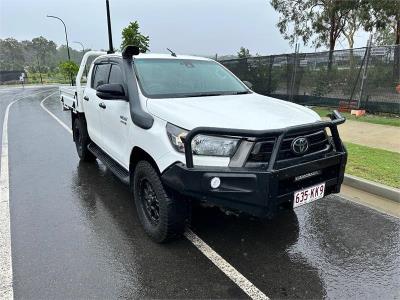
{"x": 162, "y": 217}
{"x": 82, "y": 140}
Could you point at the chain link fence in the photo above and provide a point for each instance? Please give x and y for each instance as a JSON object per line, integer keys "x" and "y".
{"x": 364, "y": 78}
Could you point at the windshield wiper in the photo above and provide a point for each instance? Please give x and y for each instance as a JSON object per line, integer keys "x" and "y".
{"x": 204, "y": 95}
{"x": 216, "y": 94}
{"x": 241, "y": 93}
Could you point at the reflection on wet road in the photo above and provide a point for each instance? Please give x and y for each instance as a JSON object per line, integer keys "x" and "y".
{"x": 75, "y": 234}
{"x": 356, "y": 249}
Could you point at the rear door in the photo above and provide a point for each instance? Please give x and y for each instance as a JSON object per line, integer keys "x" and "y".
{"x": 114, "y": 116}
{"x": 91, "y": 102}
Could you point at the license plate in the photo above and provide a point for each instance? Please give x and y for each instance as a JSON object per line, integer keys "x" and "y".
{"x": 309, "y": 195}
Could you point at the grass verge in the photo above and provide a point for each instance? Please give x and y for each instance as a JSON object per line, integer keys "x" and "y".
{"x": 375, "y": 119}
{"x": 374, "y": 164}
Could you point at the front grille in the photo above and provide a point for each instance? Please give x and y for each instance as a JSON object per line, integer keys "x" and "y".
{"x": 290, "y": 185}
{"x": 262, "y": 150}
{"x": 317, "y": 140}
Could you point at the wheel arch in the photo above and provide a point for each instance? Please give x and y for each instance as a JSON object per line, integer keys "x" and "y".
{"x": 138, "y": 154}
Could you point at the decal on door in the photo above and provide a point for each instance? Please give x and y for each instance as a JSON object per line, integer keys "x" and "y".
{"x": 123, "y": 119}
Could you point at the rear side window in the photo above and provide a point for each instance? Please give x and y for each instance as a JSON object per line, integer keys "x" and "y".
{"x": 115, "y": 75}
{"x": 100, "y": 75}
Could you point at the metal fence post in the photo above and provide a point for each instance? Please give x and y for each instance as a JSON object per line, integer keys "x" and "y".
{"x": 293, "y": 75}
{"x": 271, "y": 64}
{"x": 365, "y": 73}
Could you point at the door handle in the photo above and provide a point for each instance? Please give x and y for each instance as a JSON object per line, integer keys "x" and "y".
{"x": 102, "y": 105}
{"x": 86, "y": 98}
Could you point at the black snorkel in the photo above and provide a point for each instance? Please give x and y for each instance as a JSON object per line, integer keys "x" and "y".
{"x": 138, "y": 115}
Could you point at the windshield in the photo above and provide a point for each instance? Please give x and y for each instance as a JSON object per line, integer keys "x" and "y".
{"x": 169, "y": 78}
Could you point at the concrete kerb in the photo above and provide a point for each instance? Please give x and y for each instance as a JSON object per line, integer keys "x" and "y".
{"x": 372, "y": 187}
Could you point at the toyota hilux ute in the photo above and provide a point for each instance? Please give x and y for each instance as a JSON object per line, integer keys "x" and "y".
{"x": 179, "y": 129}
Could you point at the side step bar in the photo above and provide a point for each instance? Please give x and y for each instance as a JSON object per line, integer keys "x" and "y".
{"x": 110, "y": 163}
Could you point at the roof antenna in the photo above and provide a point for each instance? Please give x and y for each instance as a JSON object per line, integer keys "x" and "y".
{"x": 172, "y": 52}
{"x": 110, "y": 42}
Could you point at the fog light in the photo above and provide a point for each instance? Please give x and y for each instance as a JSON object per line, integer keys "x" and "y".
{"x": 215, "y": 182}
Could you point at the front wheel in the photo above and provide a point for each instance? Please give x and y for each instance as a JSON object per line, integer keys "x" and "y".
{"x": 162, "y": 217}
{"x": 82, "y": 140}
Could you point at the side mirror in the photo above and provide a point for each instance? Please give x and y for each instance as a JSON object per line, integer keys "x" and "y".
{"x": 111, "y": 91}
{"x": 248, "y": 84}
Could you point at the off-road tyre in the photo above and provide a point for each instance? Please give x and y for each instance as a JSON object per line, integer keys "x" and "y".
{"x": 82, "y": 140}
{"x": 173, "y": 212}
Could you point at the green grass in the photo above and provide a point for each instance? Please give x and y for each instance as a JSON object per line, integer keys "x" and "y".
{"x": 374, "y": 164}
{"x": 375, "y": 119}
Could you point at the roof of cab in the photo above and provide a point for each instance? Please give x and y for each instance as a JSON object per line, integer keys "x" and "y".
{"x": 158, "y": 55}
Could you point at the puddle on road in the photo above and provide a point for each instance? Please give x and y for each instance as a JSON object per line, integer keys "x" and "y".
{"x": 355, "y": 249}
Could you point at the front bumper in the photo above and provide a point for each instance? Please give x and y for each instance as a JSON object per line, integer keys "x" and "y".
{"x": 260, "y": 193}
{"x": 264, "y": 191}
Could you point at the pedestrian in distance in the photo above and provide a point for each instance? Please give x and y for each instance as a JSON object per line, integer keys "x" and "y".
{"x": 22, "y": 80}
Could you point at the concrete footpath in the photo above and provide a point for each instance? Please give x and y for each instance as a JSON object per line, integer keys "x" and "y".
{"x": 375, "y": 136}
{"x": 371, "y": 200}
{"x": 372, "y": 135}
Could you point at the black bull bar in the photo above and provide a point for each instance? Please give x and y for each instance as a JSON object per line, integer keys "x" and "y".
{"x": 335, "y": 116}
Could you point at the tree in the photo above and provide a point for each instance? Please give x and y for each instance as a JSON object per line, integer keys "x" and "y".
{"x": 380, "y": 15}
{"x": 132, "y": 36}
{"x": 353, "y": 24}
{"x": 11, "y": 55}
{"x": 384, "y": 37}
{"x": 243, "y": 53}
{"x": 69, "y": 69}
{"x": 43, "y": 48}
{"x": 321, "y": 22}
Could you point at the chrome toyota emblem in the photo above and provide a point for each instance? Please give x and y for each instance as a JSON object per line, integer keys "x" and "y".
{"x": 300, "y": 145}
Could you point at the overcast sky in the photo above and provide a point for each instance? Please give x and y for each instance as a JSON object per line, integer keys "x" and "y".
{"x": 187, "y": 26}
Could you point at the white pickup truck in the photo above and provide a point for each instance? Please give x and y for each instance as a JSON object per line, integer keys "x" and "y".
{"x": 180, "y": 129}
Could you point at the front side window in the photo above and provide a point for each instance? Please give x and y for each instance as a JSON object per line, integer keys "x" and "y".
{"x": 100, "y": 75}
{"x": 168, "y": 78}
{"x": 115, "y": 75}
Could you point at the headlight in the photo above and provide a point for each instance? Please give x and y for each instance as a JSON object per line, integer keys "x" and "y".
{"x": 202, "y": 144}
{"x": 214, "y": 145}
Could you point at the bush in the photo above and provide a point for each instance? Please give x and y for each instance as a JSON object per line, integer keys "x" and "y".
{"x": 68, "y": 69}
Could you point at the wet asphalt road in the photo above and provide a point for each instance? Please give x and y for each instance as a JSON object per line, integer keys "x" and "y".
{"x": 75, "y": 233}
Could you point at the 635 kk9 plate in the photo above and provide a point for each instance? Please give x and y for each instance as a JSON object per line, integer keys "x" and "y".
{"x": 309, "y": 194}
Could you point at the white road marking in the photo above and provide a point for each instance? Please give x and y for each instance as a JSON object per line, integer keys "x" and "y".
{"x": 233, "y": 274}
{"x": 53, "y": 115}
{"x": 6, "y": 273}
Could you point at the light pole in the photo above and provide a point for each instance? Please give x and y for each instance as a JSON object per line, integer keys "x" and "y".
{"x": 83, "y": 47}
{"x": 83, "y": 50}
{"x": 66, "y": 38}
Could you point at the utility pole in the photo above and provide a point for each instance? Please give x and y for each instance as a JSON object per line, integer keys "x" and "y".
{"x": 66, "y": 38}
